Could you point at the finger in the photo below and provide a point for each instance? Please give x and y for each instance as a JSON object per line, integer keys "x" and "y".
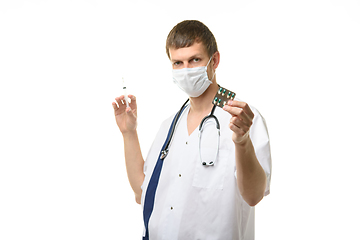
{"x": 133, "y": 101}
{"x": 242, "y": 105}
{"x": 237, "y": 130}
{"x": 239, "y": 133}
{"x": 121, "y": 103}
{"x": 244, "y": 116}
{"x": 115, "y": 106}
{"x": 245, "y": 126}
{"x": 238, "y": 112}
{"x": 232, "y": 110}
{"x": 131, "y": 114}
{"x": 119, "y": 100}
{"x": 241, "y": 122}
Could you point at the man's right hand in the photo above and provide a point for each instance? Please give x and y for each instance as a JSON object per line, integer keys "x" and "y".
{"x": 126, "y": 121}
{"x": 125, "y": 117}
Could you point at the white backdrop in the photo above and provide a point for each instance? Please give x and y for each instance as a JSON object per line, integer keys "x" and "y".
{"x": 62, "y": 172}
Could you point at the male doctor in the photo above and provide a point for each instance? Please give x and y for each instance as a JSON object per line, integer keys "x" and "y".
{"x": 182, "y": 198}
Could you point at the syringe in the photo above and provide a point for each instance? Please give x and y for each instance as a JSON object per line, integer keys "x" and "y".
{"x": 124, "y": 91}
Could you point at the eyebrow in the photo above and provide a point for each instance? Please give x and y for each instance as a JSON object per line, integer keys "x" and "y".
{"x": 197, "y": 55}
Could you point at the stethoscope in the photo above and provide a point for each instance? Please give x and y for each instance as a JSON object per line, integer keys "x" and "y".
{"x": 201, "y": 128}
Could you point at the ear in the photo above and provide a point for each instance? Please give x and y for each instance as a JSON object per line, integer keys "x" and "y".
{"x": 216, "y": 60}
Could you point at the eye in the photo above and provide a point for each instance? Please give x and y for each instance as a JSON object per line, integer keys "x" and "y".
{"x": 176, "y": 63}
{"x": 196, "y": 60}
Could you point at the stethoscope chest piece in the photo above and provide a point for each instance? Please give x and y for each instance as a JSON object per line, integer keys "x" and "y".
{"x": 164, "y": 153}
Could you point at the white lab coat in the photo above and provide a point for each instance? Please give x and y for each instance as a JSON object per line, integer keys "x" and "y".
{"x": 203, "y": 202}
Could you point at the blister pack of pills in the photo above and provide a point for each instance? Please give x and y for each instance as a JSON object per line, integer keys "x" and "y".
{"x": 222, "y": 96}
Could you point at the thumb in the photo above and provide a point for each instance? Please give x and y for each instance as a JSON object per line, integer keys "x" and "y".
{"x": 131, "y": 113}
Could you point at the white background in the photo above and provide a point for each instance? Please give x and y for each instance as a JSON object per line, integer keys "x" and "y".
{"x": 62, "y": 173}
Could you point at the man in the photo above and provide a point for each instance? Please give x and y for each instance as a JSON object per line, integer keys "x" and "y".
{"x": 197, "y": 192}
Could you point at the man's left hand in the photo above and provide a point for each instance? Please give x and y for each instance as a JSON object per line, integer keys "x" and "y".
{"x": 241, "y": 120}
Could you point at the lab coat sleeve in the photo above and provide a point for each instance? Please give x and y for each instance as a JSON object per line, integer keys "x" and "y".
{"x": 260, "y": 139}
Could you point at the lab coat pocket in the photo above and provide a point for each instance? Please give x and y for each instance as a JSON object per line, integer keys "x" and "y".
{"x": 211, "y": 177}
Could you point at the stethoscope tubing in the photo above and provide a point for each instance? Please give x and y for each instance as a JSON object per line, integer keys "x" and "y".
{"x": 166, "y": 149}
{"x": 211, "y": 115}
{"x": 203, "y": 121}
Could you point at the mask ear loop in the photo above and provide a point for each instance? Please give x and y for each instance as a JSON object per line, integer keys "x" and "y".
{"x": 209, "y": 62}
{"x": 213, "y": 76}
{"x": 206, "y": 69}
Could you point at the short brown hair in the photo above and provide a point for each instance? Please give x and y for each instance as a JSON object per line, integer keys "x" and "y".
{"x": 185, "y": 33}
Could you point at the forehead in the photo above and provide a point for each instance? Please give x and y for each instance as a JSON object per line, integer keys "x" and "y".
{"x": 197, "y": 49}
